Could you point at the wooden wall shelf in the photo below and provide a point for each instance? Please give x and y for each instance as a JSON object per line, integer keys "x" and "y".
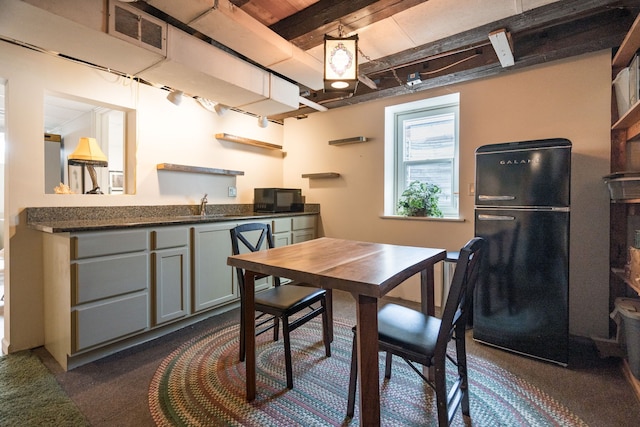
{"x": 321, "y": 175}
{"x": 197, "y": 169}
{"x": 247, "y": 141}
{"x": 353, "y": 140}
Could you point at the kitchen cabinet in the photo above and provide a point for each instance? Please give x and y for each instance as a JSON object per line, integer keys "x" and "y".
{"x": 304, "y": 228}
{"x": 287, "y": 231}
{"x": 109, "y": 289}
{"x": 281, "y": 229}
{"x": 213, "y": 282}
{"x": 96, "y": 289}
{"x": 624, "y": 212}
{"x": 170, "y": 270}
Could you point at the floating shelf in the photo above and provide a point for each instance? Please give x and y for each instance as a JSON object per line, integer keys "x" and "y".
{"x": 247, "y": 141}
{"x": 321, "y": 175}
{"x": 197, "y": 169}
{"x": 353, "y": 140}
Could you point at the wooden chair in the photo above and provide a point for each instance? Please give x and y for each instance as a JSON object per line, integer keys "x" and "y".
{"x": 419, "y": 338}
{"x": 279, "y": 302}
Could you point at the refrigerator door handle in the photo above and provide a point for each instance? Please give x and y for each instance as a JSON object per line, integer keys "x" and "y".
{"x": 486, "y": 198}
{"x": 486, "y": 217}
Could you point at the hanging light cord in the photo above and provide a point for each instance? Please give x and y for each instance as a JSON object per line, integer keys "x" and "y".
{"x": 375, "y": 61}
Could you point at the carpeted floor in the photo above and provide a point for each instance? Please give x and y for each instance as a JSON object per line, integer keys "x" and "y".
{"x": 30, "y": 395}
{"x": 201, "y": 384}
{"x": 114, "y": 391}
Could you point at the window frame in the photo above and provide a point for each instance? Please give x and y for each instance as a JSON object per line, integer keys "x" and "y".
{"x": 393, "y": 157}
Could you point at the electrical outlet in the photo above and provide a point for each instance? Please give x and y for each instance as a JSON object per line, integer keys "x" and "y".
{"x": 233, "y": 192}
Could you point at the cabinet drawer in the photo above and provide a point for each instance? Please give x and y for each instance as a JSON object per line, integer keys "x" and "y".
{"x": 280, "y": 225}
{"x": 103, "y": 278}
{"x": 104, "y": 322}
{"x": 302, "y": 222}
{"x": 89, "y": 245}
{"x": 170, "y": 237}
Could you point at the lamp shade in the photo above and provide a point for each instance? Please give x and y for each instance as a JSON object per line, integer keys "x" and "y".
{"x": 340, "y": 63}
{"x": 88, "y": 152}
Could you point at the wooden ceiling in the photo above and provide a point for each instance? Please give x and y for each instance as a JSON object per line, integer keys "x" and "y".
{"x": 554, "y": 31}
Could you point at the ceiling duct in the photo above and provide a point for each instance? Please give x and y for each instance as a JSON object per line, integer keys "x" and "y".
{"x": 198, "y": 68}
{"x": 139, "y": 44}
{"x": 76, "y": 32}
{"x": 234, "y": 28}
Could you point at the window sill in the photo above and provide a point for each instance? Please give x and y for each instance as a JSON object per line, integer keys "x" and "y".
{"x": 423, "y": 218}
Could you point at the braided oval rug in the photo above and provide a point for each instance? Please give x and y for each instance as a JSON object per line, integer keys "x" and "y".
{"x": 202, "y": 384}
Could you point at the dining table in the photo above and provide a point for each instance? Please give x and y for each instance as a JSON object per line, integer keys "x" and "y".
{"x": 367, "y": 270}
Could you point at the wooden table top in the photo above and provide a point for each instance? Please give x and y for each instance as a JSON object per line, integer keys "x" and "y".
{"x": 365, "y": 268}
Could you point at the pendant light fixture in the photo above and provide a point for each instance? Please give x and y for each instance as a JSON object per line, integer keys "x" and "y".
{"x": 340, "y": 63}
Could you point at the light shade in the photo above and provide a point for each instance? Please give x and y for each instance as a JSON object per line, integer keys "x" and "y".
{"x": 220, "y": 109}
{"x": 262, "y": 121}
{"x": 175, "y": 97}
{"x": 340, "y": 63}
{"x": 88, "y": 152}
{"x": 205, "y": 103}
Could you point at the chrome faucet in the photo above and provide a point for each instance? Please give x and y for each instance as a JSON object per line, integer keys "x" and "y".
{"x": 203, "y": 205}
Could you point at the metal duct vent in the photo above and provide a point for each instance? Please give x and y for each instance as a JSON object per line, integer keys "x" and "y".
{"x": 134, "y": 26}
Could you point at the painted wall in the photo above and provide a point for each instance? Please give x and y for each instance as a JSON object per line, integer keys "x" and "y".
{"x": 165, "y": 133}
{"x": 565, "y": 99}
{"x": 569, "y": 99}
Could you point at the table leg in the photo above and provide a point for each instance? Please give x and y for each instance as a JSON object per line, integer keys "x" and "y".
{"x": 329, "y": 297}
{"x": 427, "y": 302}
{"x": 368, "y": 375}
{"x": 250, "y": 334}
{"x": 427, "y": 283}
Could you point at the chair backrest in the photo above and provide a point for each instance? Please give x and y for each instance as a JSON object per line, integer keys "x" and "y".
{"x": 250, "y": 237}
{"x": 460, "y": 292}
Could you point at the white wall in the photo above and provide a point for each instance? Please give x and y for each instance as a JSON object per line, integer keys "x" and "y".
{"x": 165, "y": 134}
{"x": 568, "y": 99}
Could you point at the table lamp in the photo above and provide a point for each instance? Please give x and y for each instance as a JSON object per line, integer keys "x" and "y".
{"x": 89, "y": 154}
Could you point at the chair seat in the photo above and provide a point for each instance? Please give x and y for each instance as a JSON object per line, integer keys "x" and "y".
{"x": 410, "y": 329}
{"x": 287, "y": 297}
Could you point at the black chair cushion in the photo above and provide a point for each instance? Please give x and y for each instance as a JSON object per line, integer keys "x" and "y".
{"x": 287, "y": 297}
{"x": 407, "y": 328}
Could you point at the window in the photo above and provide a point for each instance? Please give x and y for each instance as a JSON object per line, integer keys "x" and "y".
{"x": 421, "y": 144}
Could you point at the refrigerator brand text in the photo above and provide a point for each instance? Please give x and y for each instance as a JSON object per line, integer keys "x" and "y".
{"x": 519, "y": 162}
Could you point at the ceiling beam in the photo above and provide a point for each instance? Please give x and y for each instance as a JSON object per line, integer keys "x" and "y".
{"x": 559, "y": 39}
{"x": 531, "y": 20}
{"x": 306, "y": 29}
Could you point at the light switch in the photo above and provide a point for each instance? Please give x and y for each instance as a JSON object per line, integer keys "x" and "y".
{"x": 233, "y": 192}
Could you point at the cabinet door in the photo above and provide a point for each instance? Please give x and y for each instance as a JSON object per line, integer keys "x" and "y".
{"x": 99, "y": 323}
{"x": 304, "y": 228}
{"x": 213, "y": 282}
{"x": 303, "y": 235}
{"x": 171, "y": 284}
{"x": 281, "y": 228}
{"x": 282, "y": 239}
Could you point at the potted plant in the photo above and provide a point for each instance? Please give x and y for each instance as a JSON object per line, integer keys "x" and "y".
{"x": 420, "y": 199}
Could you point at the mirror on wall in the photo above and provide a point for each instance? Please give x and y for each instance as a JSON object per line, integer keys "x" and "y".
{"x": 69, "y": 121}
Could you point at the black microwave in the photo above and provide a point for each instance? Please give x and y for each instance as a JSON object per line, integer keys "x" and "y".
{"x": 278, "y": 200}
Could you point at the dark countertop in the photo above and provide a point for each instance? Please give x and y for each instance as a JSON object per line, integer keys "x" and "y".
{"x": 61, "y": 223}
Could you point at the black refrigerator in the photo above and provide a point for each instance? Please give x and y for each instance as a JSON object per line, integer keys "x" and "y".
{"x": 521, "y": 301}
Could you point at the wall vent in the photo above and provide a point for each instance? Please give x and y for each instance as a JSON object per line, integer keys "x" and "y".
{"x": 133, "y": 25}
